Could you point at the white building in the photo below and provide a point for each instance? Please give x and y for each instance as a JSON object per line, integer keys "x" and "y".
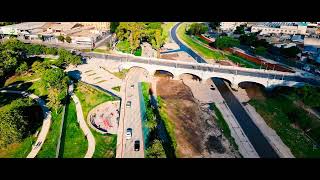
{"x": 230, "y": 26}
{"x": 280, "y": 27}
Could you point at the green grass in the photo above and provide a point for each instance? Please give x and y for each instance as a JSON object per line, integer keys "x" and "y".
{"x": 38, "y": 88}
{"x": 138, "y": 52}
{"x": 121, "y": 74}
{"x": 243, "y": 62}
{"x": 279, "y": 112}
{"x": 201, "y": 40}
{"x": 75, "y": 144}
{"x": 23, "y": 77}
{"x": 101, "y": 51}
{"x": 18, "y": 150}
{"x": 48, "y": 149}
{"x": 165, "y": 30}
{"x": 124, "y": 46}
{"x": 202, "y": 50}
{"x": 90, "y": 98}
{"x": 116, "y": 88}
{"x": 221, "y": 122}
{"x": 167, "y": 122}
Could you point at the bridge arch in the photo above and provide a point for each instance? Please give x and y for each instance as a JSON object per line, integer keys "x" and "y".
{"x": 193, "y": 76}
{"x": 246, "y": 84}
{"x": 138, "y": 67}
{"x": 163, "y": 73}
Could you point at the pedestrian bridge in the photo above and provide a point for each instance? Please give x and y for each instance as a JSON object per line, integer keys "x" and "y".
{"x": 234, "y": 75}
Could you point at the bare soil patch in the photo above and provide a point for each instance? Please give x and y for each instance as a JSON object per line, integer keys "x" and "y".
{"x": 196, "y": 132}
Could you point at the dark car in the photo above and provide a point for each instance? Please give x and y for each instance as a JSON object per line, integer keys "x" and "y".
{"x": 136, "y": 145}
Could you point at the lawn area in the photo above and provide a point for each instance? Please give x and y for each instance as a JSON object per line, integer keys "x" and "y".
{"x": 101, "y": 51}
{"x": 48, "y": 149}
{"x": 202, "y": 40}
{"x": 25, "y": 77}
{"x": 243, "y": 62}
{"x": 38, "y": 89}
{"x": 203, "y": 51}
{"x": 223, "y": 125}
{"x": 18, "y": 150}
{"x": 138, "y": 52}
{"x": 124, "y": 46}
{"x": 90, "y": 98}
{"x": 166, "y": 28}
{"x": 285, "y": 118}
{"x": 73, "y": 143}
{"x": 116, "y": 88}
{"x": 121, "y": 74}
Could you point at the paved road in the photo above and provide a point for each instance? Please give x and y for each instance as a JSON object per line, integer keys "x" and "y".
{"x": 45, "y": 125}
{"x": 85, "y": 128}
{"x": 255, "y": 136}
{"x": 131, "y": 117}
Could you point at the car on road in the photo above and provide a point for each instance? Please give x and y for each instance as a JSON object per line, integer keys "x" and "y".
{"x": 132, "y": 86}
{"x": 129, "y": 133}
{"x": 137, "y": 145}
{"x": 128, "y": 104}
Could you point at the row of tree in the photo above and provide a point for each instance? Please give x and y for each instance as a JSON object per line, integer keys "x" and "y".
{"x": 197, "y": 29}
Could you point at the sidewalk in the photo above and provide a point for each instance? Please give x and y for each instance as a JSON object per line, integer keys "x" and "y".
{"x": 85, "y": 128}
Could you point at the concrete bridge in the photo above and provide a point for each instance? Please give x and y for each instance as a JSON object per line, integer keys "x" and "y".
{"x": 202, "y": 71}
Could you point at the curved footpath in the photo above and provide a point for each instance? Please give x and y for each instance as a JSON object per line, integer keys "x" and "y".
{"x": 85, "y": 128}
{"x": 46, "y": 121}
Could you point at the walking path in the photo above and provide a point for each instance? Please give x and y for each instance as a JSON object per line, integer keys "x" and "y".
{"x": 46, "y": 121}
{"x": 85, "y": 128}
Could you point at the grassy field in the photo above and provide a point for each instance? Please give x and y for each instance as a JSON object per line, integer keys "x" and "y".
{"x": 121, "y": 74}
{"x": 25, "y": 77}
{"x": 281, "y": 115}
{"x": 18, "y": 150}
{"x": 90, "y": 98}
{"x": 48, "y": 149}
{"x": 38, "y": 89}
{"x": 242, "y": 62}
{"x": 116, "y": 88}
{"x": 223, "y": 125}
{"x": 74, "y": 144}
{"x": 203, "y": 51}
{"x": 165, "y": 30}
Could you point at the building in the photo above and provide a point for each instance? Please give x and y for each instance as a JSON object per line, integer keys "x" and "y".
{"x": 98, "y": 25}
{"x": 280, "y": 27}
{"x": 230, "y": 26}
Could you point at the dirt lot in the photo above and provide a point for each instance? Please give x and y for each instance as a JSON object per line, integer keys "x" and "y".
{"x": 196, "y": 132}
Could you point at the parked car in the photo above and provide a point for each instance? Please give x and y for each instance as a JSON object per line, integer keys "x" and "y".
{"x": 137, "y": 145}
{"x": 128, "y": 104}
{"x": 132, "y": 86}
{"x": 129, "y": 133}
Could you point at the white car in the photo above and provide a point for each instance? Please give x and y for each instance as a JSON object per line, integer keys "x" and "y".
{"x": 129, "y": 133}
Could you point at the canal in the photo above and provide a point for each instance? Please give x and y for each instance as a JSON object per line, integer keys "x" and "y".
{"x": 259, "y": 142}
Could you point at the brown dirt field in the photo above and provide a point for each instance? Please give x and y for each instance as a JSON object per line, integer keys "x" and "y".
{"x": 195, "y": 130}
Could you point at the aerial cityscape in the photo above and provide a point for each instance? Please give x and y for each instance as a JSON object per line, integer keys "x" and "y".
{"x": 159, "y": 89}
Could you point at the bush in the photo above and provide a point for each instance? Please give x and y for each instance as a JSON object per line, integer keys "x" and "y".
{"x": 197, "y": 28}
{"x": 124, "y": 46}
{"x": 226, "y": 42}
{"x": 156, "y": 150}
{"x": 22, "y": 68}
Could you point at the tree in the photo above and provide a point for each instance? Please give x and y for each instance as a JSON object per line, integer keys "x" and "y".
{"x": 9, "y": 60}
{"x": 290, "y": 52}
{"x": 248, "y": 39}
{"x": 156, "y": 150}
{"x": 260, "y": 50}
{"x": 310, "y": 95}
{"x": 226, "y": 42}
{"x": 214, "y": 25}
{"x": 68, "y": 39}
{"x": 54, "y": 99}
{"x": 197, "y": 28}
{"x": 22, "y": 68}
{"x": 55, "y": 78}
{"x": 61, "y": 38}
{"x": 113, "y": 26}
{"x": 239, "y": 29}
{"x": 38, "y": 67}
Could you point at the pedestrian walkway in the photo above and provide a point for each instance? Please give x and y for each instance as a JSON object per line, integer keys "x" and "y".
{"x": 45, "y": 125}
{"x": 89, "y": 136}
